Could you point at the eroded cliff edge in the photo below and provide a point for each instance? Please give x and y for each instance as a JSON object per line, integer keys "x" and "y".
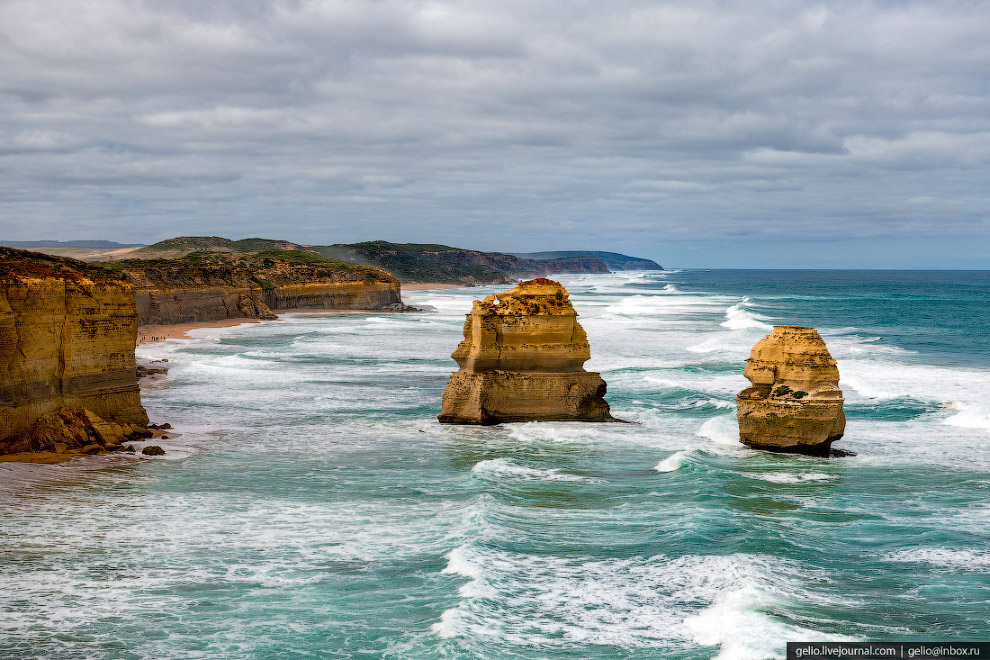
{"x": 522, "y": 359}
{"x": 217, "y": 286}
{"x": 67, "y": 334}
{"x": 794, "y": 403}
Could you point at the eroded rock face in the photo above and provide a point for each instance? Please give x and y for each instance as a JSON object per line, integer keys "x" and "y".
{"x": 213, "y": 292}
{"x": 67, "y": 334}
{"x": 522, "y": 360}
{"x": 794, "y": 403}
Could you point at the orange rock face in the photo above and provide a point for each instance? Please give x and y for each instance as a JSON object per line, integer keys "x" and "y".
{"x": 67, "y": 333}
{"x": 794, "y": 403}
{"x": 522, "y": 360}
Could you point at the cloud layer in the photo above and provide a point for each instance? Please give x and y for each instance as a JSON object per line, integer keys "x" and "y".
{"x": 509, "y": 125}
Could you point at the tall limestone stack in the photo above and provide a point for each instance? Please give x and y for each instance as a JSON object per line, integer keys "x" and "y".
{"x": 794, "y": 404}
{"x": 522, "y": 360}
{"x": 67, "y": 372}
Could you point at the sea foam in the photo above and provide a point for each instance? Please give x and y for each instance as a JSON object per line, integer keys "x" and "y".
{"x": 671, "y": 463}
{"x": 738, "y": 317}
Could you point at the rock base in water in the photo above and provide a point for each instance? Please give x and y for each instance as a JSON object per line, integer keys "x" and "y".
{"x": 522, "y": 360}
{"x": 77, "y": 431}
{"x": 794, "y": 404}
{"x": 499, "y": 396}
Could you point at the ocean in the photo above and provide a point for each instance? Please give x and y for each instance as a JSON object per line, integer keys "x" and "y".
{"x": 314, "y": 508}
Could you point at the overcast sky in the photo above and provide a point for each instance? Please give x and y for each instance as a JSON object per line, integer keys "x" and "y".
{"x": 698, "y": 133}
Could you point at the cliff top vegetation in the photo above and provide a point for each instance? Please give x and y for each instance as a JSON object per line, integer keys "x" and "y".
{"x": 23, "y": 263}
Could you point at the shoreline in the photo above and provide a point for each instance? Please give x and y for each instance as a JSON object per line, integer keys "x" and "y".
{"x": 155, "y": 333}
{"x": 152, "y": 334}
{"x": 54, "y": 458}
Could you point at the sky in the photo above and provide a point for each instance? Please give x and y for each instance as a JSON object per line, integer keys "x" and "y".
{"x": 713, "y": 134}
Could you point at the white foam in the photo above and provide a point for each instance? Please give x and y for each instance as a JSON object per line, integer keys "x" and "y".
{"x": 721, "y": 430}
{"x": 735, "y": 623}
{"x": 792, "y": 478}
{"x": 737, "y": 317}
{"x": 660, "y": 603}
{"x": 458, "y": 564}
{"x": 504, "y": 468}
{"x": 447, "y": 626}
{"x": 671, "y": 463}
{"x": 950, "y": 558}
{"x": 969, "y": 417}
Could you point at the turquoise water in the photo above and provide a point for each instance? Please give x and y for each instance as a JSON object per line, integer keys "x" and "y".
{"x": 313, "y": 507}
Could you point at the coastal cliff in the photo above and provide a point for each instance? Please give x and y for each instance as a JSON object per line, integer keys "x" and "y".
{"x": 794, "y": 403}
{"x": 67, "y": 333}
{"x": 216, "y": 286}
{"x": 416, "y": 262}
{"x": 190, "y": 293}
{"x": 612, "y": 260}
{"x": 522, "y": 360}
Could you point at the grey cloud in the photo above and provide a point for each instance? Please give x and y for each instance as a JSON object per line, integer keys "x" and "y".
{"x": 495, "y": 125}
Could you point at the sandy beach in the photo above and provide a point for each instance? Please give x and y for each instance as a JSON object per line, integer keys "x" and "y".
{"x": 148, "y": 334}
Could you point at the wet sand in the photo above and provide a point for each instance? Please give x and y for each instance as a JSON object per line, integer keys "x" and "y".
{"x": 149, "y": 334}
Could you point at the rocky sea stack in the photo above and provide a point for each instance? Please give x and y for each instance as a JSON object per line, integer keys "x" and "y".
{"x": 794, "y": 404}
{"x": 522, "y": 360}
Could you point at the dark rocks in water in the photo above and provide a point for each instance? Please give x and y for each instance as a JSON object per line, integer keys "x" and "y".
{"x": 138, "y": 432}
{"x": 130, "y": 449}
{"x": 160, "y": 427}
{"x": 400, "y": 307}
{"x": 143, "y": 371}
{"x": 153, "y": 450}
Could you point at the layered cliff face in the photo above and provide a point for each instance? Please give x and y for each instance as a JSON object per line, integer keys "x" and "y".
{"x": 794, "y": 403}
{"x": 190, "y": 293}
{"x": 288, "y": 286}
{"x": 67, "y": 334}
{"x": 522, "y": 360}
{"x": 251, "y": 286}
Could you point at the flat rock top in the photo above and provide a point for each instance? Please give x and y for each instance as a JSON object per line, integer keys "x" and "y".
{"x": 539, "y": 297}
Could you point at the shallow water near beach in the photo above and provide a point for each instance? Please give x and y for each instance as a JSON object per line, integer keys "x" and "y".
{"x": 314, "y": 508}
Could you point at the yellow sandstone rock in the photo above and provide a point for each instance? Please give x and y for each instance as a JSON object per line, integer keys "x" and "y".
{"x": 522, "y": 360}
{"x": 794, "y": 404}
{"x": 67, "y": 332}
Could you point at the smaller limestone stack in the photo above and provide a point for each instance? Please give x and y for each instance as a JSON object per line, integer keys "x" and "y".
{"x": 794, "y": 404}
{"x": 522, "y": 360}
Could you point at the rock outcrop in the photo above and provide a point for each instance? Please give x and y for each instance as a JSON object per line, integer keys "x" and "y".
{"x": 189, "y": 293}
{"x": 252, "y": 286}
{"x": 414, "y": 262}
{"x": 794, "y": 403}
{"x": 67, "y": 334}
{"x": 522, "y": 360}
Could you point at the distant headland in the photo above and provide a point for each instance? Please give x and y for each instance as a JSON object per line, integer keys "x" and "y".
{"x": 408, "y": 262}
